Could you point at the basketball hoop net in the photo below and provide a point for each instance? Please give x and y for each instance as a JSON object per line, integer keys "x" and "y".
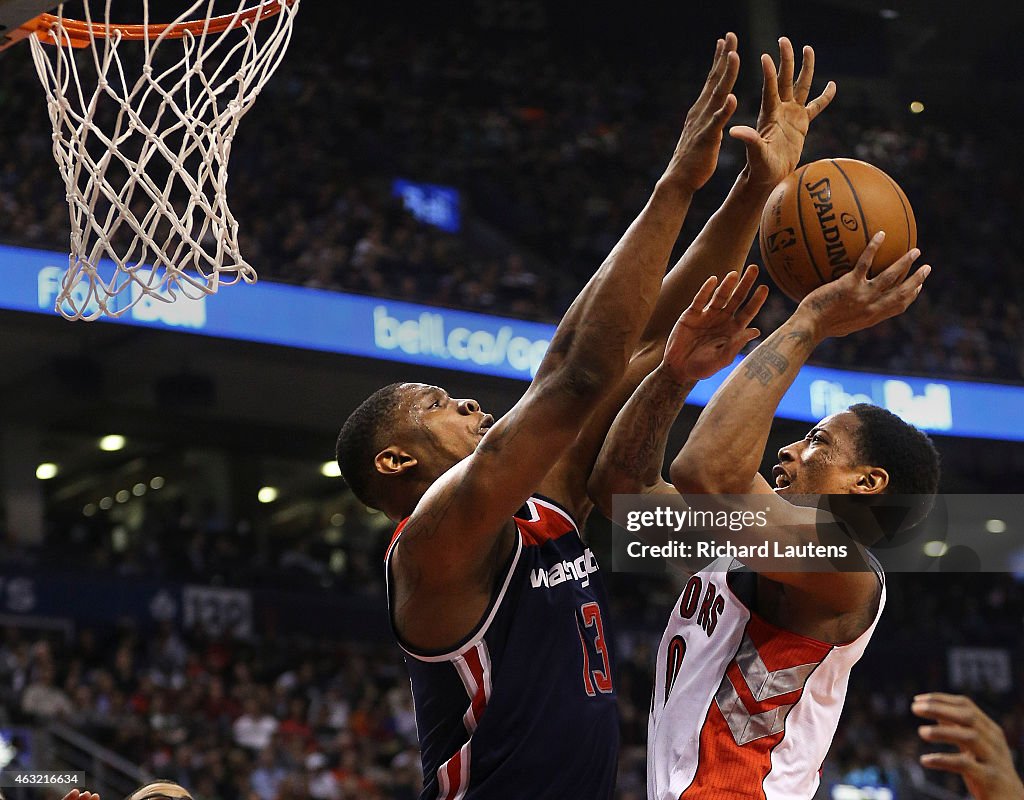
{"x": 142, "y": 138}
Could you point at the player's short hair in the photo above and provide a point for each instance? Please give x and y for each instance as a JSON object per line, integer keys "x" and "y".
{"x": 160, "y": 790}
{"x": 906, "y": 453}
{"x": 362, "y": 437}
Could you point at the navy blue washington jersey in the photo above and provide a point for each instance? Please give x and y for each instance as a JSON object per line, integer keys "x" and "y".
{"x": 524, "y": 706}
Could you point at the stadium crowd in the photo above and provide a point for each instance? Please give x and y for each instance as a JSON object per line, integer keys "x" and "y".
{"x": 553, "y": 153}
{"x": 237, "y": 720}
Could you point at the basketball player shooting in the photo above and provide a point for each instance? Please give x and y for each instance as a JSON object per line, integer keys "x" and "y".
{"x": 752, "y": 670}
{"x": 493, "y": 596}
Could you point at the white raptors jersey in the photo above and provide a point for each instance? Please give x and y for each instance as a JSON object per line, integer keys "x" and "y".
{"x": 742, "y": 708}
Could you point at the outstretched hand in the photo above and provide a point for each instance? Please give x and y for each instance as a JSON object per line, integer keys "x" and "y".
{"x": 854, "y": 301}
{"x": 983, "y": 760}
{"x": 713, "y": 329}
{"x": 75, "y": 794}
{"x": 773, "y": 149}
{"x": 696, "y": 154}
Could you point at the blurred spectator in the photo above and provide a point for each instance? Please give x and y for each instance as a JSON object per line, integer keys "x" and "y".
{"x": 255, "y": 727}
{"x": 268, "y": 775}
{"x": 334, "y": 721}
{"x": 43, "y": 699}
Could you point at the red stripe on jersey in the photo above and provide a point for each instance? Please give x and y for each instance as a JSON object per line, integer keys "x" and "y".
{"x": 476, "y": 667}
{"x": 726, "y": 771}
{"x": 780, "y": 648}
{"x": 394, "y": 538}
{"x": 548, "y": 522}
{"x": 453, "y": 775}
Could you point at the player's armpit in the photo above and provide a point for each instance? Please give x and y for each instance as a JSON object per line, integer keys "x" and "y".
{"x": 567, "y": 481}
{"x": 433, "y": 616}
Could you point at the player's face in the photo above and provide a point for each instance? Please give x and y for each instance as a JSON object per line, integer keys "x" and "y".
{"x": 824, "y": 461}
{"x": 449, "y": 429}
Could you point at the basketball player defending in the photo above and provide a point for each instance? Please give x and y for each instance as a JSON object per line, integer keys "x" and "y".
{"x": 494, "y": 597}
{"x": 752, "y": 669}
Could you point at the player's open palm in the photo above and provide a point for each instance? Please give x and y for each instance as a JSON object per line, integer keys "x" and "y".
{"x": 856, "y": 301}
{"x": 696, "y": 154}
{"x": 713, "y": 329}
{"x": 774, "y": 148}
{"x": 983, "y": 760}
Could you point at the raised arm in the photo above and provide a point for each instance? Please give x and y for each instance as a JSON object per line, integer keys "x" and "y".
{"x": 723, "y": 452}
{"x": 706, "y": 338}
{"x": 773, "y": 151}
{"x": 456, "y": 528}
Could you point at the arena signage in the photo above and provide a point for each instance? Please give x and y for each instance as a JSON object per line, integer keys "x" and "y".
{"x": 436, "y": 205}
{"x": 45, "y": 598}
{"x": 391, "y": 330}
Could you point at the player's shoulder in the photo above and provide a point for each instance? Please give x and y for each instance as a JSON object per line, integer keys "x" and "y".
{"x": 539, "y": 508}
{"x": 542, "y": 519}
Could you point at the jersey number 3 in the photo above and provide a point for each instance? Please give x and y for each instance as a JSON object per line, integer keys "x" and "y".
{"x": 601, "y": 678}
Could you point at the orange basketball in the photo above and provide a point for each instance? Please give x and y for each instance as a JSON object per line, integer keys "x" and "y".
{"x": 818, "y": 221}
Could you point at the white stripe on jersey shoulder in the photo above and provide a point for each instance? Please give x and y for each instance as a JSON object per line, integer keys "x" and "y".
{"x": 470, "y": 684}
{"x": 481, "y": 631}
{"x": 467, "y": 755}
{"x": 539, "y": 501}
{"x": 391, "y": 547}
{"x": 485, "y": 663}
{"x": 722, "y": 567}
{"x": 876, "y": 565}
{"x": 534, "y": 513}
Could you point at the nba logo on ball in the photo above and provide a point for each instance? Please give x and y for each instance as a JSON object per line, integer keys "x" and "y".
{"x": 823, "y": 216}
{"x": 781, "y": 240}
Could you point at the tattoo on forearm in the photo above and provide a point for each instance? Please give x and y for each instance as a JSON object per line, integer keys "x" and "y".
{"x": 766, "y": 363}
{"x": 641, "y": 449}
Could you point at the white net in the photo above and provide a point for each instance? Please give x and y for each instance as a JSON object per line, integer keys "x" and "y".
{"x": 142, "y": 137}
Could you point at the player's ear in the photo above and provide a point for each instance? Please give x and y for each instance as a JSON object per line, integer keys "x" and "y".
{"x": 872, "y": 480}
{"x": 393, "y": 460}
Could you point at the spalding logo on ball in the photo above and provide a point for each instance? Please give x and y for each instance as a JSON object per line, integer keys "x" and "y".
{"x": 818, "y": 221}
